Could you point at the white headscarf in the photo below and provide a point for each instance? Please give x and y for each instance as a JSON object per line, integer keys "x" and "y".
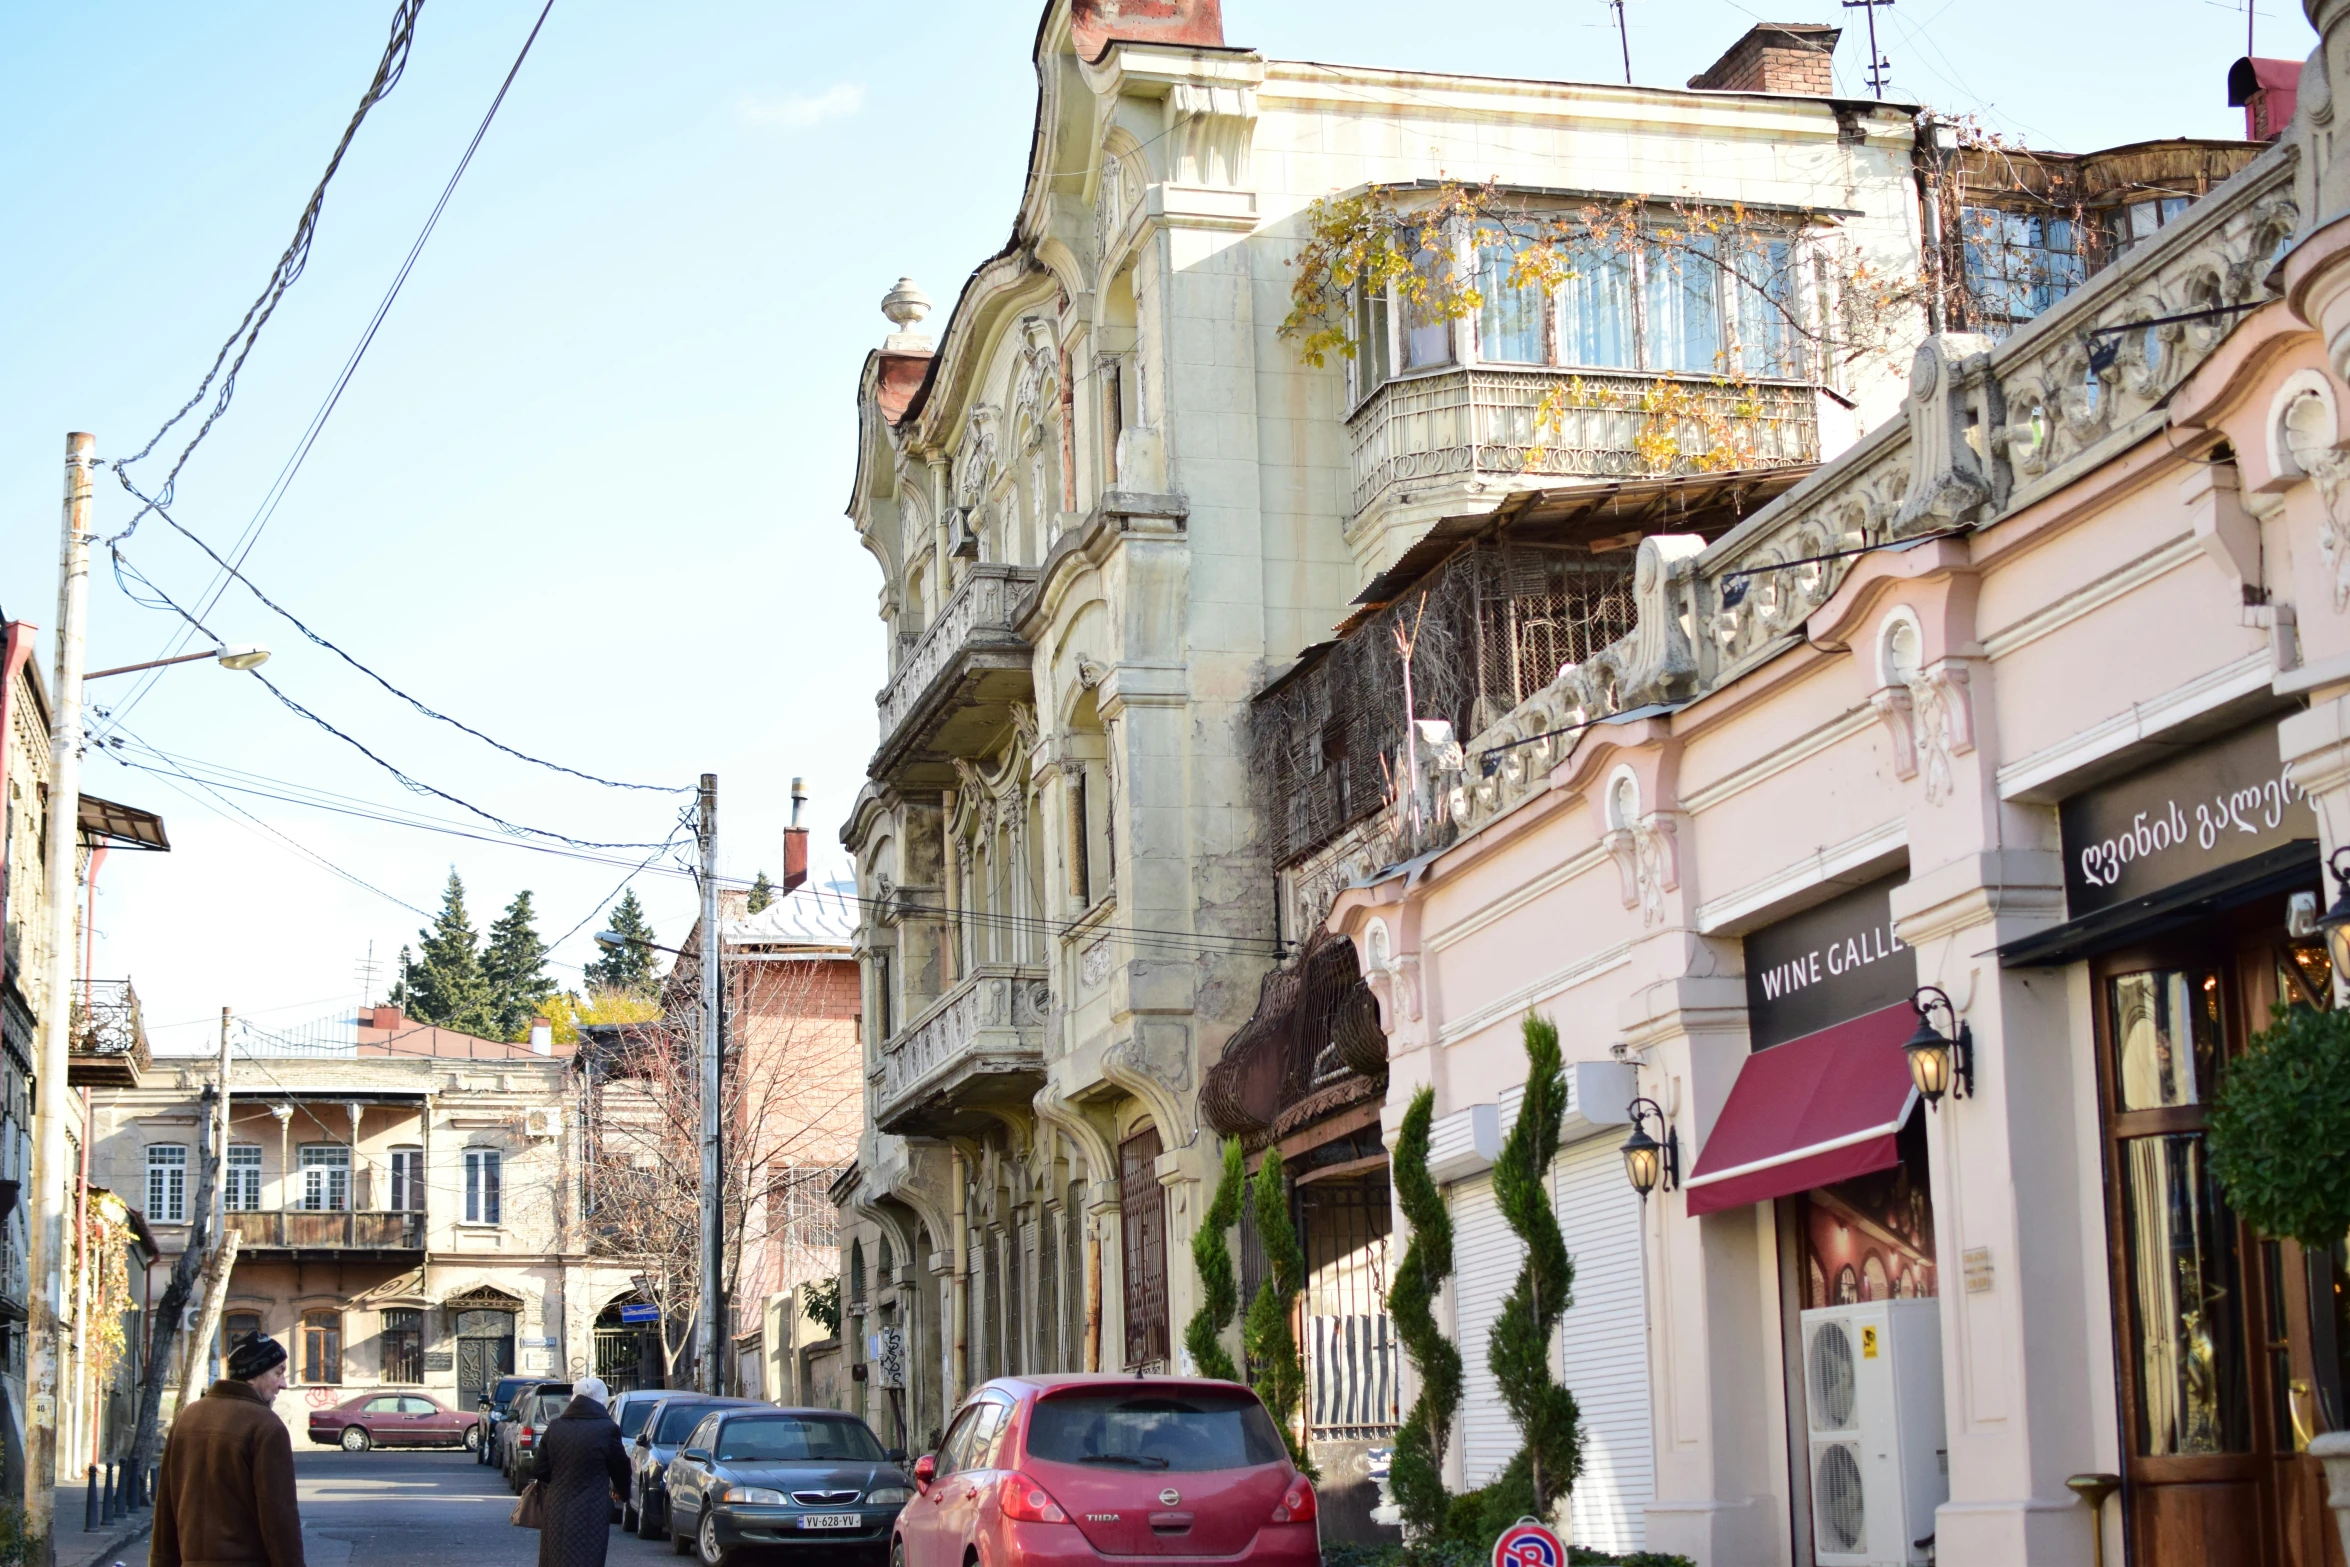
{"x": 592, "y": 1388}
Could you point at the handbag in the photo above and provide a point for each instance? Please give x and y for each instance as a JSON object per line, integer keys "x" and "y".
{"x": 529, "y": 1508}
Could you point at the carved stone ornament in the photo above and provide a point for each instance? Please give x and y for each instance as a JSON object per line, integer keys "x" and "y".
{"x": 1648, "y": 863}
{"x": 1947, "y": 478}
{"x": 1930, "y": 718}
{"x": 1096, "y": 964}
{"x": 2307, "y": 426}
{"x": 1663, "y": 665}
{"x": 1209, "y": 131}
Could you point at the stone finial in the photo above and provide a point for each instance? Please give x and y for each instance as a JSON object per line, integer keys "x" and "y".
{"x": 905, "y": 305}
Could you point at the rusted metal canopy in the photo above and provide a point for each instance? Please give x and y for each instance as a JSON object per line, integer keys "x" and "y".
{"x": 106, "y": 825}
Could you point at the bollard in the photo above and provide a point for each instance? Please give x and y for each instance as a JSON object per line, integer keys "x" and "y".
{"x": 114, "y": 1493}
{"x": 90, "y": 1501}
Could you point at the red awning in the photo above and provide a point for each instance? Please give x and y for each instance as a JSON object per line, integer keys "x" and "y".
{"x": 1814, "y": 1110}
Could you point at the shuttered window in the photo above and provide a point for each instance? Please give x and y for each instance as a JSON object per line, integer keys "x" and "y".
{"x": 1142, "y": 1204}
{"x": 1601, "y": 1351}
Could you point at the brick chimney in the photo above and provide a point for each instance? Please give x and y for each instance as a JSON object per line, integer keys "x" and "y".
{"x": 1097, "y": 24}
{"x": 1782, "y": 57}
{"x": 2266, "y": 91}
{"x": 795, "y": 839}
{"x": 385, "y": 1018}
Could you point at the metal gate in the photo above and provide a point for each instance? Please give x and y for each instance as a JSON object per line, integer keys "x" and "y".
{"x": 620, "y": 1356}
{"x": 1143, "y": 1218}
{"x": 481, "y": 1361}
{"x": 1353, "y": 1362}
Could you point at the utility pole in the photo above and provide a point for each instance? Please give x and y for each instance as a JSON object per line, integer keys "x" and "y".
{"x": 48, "y": 1269}
{"x": 713, "y": 1213}
{"x": 1878, "y": 64}
{"x": 1624, "y": 37}
{"x": 56, "y": 1022}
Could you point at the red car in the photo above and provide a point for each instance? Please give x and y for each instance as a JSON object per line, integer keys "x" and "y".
{"x": 393, "y": 1420}
{"x": 1075, "y": 1471}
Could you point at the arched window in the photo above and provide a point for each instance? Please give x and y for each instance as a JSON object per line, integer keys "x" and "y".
{"x": 856, "y": 1273}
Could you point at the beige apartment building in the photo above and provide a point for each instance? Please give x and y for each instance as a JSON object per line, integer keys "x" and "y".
{"x": 405, "y": 1198}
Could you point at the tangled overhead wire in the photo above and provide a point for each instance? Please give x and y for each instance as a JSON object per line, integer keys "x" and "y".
{"x": 289, "y": 267}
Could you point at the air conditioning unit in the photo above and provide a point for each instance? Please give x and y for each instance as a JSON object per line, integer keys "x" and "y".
{"x": 1880, "y": 1464}
{"x": 546, "y": 1121}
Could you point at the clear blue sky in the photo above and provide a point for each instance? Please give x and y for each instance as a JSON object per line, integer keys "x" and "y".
{"x": 586, "y": 491}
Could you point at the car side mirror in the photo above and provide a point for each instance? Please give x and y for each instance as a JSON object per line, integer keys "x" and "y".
{"x": 925, "y": 1470}
{"x": 896, "y": 1455}
{"x": 700, "y": 1455}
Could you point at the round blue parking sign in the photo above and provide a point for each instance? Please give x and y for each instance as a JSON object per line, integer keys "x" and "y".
{"x": 1528, "y": 1544}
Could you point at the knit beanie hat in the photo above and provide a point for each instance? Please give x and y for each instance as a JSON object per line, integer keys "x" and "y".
{"x": 254, "y": 1356}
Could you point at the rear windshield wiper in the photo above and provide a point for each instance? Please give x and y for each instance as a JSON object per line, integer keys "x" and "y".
{"x": 1139, "y": 1460}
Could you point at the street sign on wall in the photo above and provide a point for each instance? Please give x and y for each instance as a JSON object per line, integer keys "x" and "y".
{"x": 640, "y": 1313}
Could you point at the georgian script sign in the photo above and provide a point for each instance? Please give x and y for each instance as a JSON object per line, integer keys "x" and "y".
{"x": 1828, "y": 965}
{"x": 2209, "y": 808}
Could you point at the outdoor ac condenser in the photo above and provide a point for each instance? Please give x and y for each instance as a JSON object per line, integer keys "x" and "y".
{"x": 1872, "y": 1386}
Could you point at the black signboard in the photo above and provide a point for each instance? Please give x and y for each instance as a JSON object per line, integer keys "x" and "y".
{"x": 2198, "y": 812}
{"x": 1828, "y": 965}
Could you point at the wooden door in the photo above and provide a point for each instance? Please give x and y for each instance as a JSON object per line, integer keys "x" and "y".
{"x": 2221, "y": 1375}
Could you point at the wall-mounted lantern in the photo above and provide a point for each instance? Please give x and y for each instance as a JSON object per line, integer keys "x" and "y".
{"x": 1940, "y": 1063}
{"x": 2336, "y": 923}
{"x": 1648, "y": 1162}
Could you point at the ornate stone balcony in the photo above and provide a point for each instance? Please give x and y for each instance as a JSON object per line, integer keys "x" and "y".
{"x": 1454, "y": 427}
{"x": 955, "y": 688}
{"x": 980, "y": 1045}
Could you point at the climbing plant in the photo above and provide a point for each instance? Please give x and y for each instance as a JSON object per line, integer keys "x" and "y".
{"x": 1211, "y": 1256}
{"x": 1417, "y": 1473}
{"x": 1275, "y": 1369}
{"x": 1519, "y": 1352}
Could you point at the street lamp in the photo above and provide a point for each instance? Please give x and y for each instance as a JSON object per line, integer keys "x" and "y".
{"x": 1939, "y": 1063}
{"x": 240, "y": 657}
{"x": 613, "y": 940}
{"x": 2336, "y": 923}
{"x": 1648, "y": 1162}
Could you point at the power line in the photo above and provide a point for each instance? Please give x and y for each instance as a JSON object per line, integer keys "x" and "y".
{"x": 407, "y": 781}
{"x": 289, "y": 266}
{"x": 276, "y": 493}
{"x": 430, "y": 712}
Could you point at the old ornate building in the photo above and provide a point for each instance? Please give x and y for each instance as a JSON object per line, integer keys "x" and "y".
{"x": 1111, "y": 505}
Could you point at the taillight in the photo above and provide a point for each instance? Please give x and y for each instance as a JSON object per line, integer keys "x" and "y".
{"x": 1297, "y": 1503}
{"x": 1024, "y": 1500}
{"x": 522, "y": 1438}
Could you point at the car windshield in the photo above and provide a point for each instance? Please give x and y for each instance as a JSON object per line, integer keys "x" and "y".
{"x": 502, "y": 1398}
{"x": 1189, "y": 1430}
{"x": 676, "y": 1421}
{"x": 549, "y": 1403}
{"x": 632, "y": 1414}
{"x": 783, "y": 1439}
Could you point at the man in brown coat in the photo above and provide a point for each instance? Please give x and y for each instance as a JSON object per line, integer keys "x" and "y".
{"x": 226, "y": 1494}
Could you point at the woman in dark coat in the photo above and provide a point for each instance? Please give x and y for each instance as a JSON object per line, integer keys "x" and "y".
{"x": 580, "y": 1465}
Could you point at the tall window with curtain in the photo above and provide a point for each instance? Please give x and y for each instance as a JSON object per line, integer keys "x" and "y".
{"x": 1595, "y": 310}
{"x": 1512, "y": 319}
{"x": 1681, "y": 302}
{"x": 1763, "y": 283}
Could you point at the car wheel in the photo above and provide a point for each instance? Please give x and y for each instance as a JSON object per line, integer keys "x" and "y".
{"x": 706, "y": 1540}
{"x": 355, "y": 1439}
{"x": 648, "y": 1518}
{"x": 473, "y": 1439}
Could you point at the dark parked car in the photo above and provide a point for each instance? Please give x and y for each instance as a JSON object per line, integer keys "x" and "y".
{"x": 646, "y": 1509}
{"x": 812, "y": 1479}
{"x": 393, "y": 1420}
{"x": 1079, "y": 1470}
{"x": 521, "y": 1430}
{"x": 494, "y": 1410}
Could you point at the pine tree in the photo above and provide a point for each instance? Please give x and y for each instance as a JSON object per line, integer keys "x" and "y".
{"x": 445, "y": 984}
{"x": 633, "y": 965}
{"x": 762, "y": 893}
{"x": 1519, "y": 1351}
{"x": 1418, "y": 1466}
{"x": 1278, "y": 1374}
{"x": 1219, "y": 1291}
{"x": 514, "y": 964}
{"x": 401, "y": 996}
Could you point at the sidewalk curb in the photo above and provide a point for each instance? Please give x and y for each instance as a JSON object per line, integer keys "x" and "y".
{"x": 126, "y": 1534}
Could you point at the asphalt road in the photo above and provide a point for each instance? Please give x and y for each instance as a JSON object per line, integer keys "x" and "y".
{"x": 394, "y": 1508}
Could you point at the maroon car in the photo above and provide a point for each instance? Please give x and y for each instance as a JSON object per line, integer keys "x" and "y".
{"x": 393, "y": 1420}
{"x": 1089, "y": 1471}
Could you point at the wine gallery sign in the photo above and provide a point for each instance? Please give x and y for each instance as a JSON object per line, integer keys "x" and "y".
{"x": 2197, "y": 812}
{"x": 1830, "y": 964}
